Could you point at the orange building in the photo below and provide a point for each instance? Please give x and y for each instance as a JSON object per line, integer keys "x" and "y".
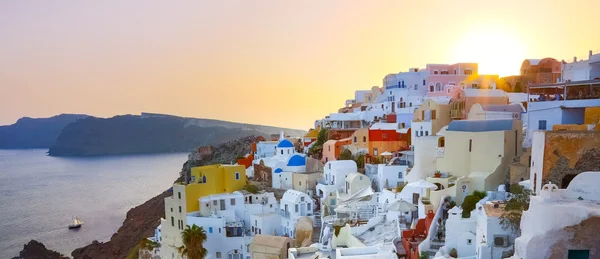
{"x": 333, "y": 148}
{"x": 385, "y": 137}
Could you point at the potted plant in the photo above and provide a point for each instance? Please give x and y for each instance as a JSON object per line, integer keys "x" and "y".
{"x": 437, "y": 174}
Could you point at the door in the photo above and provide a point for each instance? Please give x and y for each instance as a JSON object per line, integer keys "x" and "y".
{"x": 303, "y": 209}
{"x": 579, "y": 254}
{"x": 415, "y": 214}
{"x": 393, "y": 107}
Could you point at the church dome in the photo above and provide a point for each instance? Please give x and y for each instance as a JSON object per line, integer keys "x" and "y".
{"x": 285, "y": 144}
{"x": 297, "y": 160}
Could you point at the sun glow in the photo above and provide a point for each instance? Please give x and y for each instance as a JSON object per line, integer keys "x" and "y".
{"x": 498, "y": 51}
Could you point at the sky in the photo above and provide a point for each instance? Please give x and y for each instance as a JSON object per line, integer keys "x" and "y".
{"x": 281, "y": 63}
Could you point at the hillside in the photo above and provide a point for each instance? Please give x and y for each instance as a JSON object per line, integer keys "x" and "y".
{"x": 35, "y": 132}
{"x": 143, "y": 219}
{"x": 150, "y": 133}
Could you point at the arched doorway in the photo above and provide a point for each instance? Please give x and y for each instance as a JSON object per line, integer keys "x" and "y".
{"x": 431, "y": 89}
{"x": 566, "y": 180}
{"x": 441, "y": 142}
{"x": 438, "y": 86}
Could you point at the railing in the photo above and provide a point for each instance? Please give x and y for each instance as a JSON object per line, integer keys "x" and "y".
{"x": 456, "y": 114}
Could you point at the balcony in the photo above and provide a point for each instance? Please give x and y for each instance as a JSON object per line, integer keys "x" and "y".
{"x": 456, "y": 114}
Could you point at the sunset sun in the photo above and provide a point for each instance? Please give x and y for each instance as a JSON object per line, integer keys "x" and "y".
{"x": 496, "y": 50}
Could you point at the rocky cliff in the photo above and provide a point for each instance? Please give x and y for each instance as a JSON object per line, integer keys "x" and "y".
{"x": 150, "y": 133}
{"x": 37, "y": 250}
{"x": 35, "y": 133}
{"x": 139, "y": 223}
{"x": 143, "y": 219}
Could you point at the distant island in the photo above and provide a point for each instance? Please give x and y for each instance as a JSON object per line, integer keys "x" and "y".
{"x": 35, "y": 133}
{"x": 150, "y": 133}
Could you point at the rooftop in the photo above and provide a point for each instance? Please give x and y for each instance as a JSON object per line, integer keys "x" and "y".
{"x": 271, "y": 241}
{"x": 480, "y": 125}
{"x": 494, "y": 209}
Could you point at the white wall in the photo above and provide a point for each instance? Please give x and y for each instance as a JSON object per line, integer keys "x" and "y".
{"x": 393, "y": 174}
{"x": 537, "y": 160}
{"x": 459, "y": 231}
{"x": 425, "y": 158}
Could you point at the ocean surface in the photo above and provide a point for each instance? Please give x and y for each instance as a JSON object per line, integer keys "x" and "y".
{"x": 40, "y": 194}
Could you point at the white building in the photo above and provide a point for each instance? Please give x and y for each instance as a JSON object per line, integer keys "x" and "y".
{"x": 461, "y": 233}
{"x": 562, "y": 223}
{"x": 265, "y": 149}
{"x": 496, "y": 112}
{"x": 334, "y": 176}
{"x": 266, "y": 224}
{"x": 390, "y": 175}
{"x": 294, "y": 205}
{"x": 492, "y": 239}
{"x": 581, "y": 70}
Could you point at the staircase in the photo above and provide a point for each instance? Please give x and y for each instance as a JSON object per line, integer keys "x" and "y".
{"x": 317, "y": 219}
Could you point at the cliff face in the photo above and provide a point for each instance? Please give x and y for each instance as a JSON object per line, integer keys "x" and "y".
{"x": 142, "y": 220}
{"x": 35, "y": 133}
{"x": 37, "y": 250}
{"x": 149, "y": 133}
{"x": 139, "y": 223}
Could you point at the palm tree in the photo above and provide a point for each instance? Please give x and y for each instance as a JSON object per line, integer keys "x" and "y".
{"x": 193, "y": 240}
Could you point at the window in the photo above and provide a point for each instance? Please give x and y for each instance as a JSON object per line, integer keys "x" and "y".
{"x": 299, "y": 183}
{"x": 179, "y": 209}
{"x": 329, "y": 166}
{"x": 218, "y": 254}
{"x": 422, "y": 134}
{"x": 455, "y": 71}
{"x": 204, "y": 179}
{"x": 542, "y": 125}
{"x": 435, "y": 72}
{"x": 282, "y": 152}
{"x": 171, "y": 209}
{"x": 259, "y": 231}
{"x": 433, "y": 114}
{"x": 360, "y": 178}
{"x": 375, "y": 151}
{"x": 354, "y": 139}
{"x": 468, "y": 72}
{"x": 399, "y": 175}
{"x": 426, "y": 133}
{"x": 411, "y": 103}
{"x": 232, "y": 202}
{"x": 329, "y": 147}
{"x": 215, "y": 202}
{"x": 470, "y": 144}
{"x": 237, "y": 176}
{"x": 474, "y": 86}
{"x": 210, "y": 230}
{"x": 219, "y": 230}
{"x": 296, "y": 208}
{"x": 469, "y": 241}
{"x": 364, "y": 139}
{"x": 301, "y": 198}
{"x": 172, "y": 221}
{"x": 308, "y": 206}
{"x": 416, "y": 86}
{"x": 179, "y": 195}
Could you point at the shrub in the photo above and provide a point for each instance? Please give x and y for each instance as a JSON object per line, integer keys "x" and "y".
{"x": 360, "y": 161}
{"x": 400, "y": 187}
{"x": 346, "y": 155}
{"x": 518, "y": 202}
{"x": 424, "y": 255}
{"x": 252, "y": 188}
{"x": 480, "y": 194}
{"x": 468, "y": 205}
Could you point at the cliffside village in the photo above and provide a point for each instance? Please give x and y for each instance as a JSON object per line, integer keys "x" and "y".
{"x": 424, "y": 166}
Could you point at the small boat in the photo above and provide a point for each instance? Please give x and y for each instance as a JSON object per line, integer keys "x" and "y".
{"x": 77, "y": 223}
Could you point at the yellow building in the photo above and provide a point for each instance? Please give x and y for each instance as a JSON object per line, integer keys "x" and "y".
{"x": 205, "y": 180}
{"x": 213, "y": 179}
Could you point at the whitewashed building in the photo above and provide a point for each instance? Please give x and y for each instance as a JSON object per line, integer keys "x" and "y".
{"x": 294, "y": 205}
{"x": 562, "y": 223}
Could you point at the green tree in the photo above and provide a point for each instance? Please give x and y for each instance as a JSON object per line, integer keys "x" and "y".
{"x": 346, "y": 155}
{"x": 193, "y": 242}
{"x": 516, "y": 204}
{"x": 317, "y": 148}
{"x": 144, "y": 244}
{"x": 360, "y": 161}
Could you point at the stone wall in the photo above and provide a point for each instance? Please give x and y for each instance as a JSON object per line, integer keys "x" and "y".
{"x": 568, "y": 153}
{"x": 584, "y": 236}
{"x": 263, "y": 174}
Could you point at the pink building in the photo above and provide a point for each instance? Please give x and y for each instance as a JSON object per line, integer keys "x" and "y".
{"x": 442, "y": 77}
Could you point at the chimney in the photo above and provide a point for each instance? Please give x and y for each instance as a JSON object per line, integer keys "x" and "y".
{"x": 590, "y": 54}
{"x": 574, "y": 59}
